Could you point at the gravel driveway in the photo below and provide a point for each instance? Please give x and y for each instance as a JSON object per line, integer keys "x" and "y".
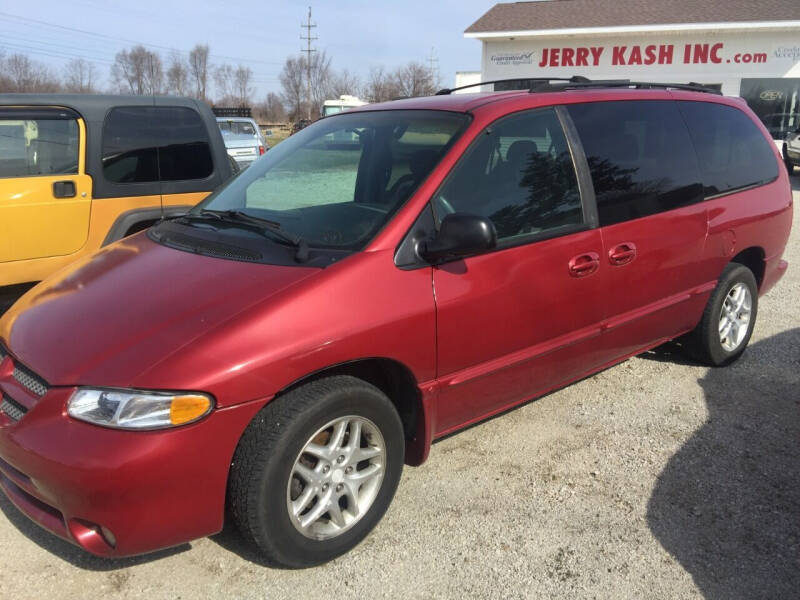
{"x": 655, "y": 479}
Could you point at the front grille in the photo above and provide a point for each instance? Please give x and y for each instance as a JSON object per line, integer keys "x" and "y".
{"x": 30, "y": 380}
{"x": 12, "y": 408}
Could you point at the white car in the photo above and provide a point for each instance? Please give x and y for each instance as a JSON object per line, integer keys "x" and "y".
{"x": 243, "y": 139}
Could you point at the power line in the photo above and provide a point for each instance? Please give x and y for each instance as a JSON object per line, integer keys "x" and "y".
{"x": 36, "y": 45}
{"x": 55, "y": 53}
{"x": 308, "y": 26}
{"x": 57, "y": 50}
{"x": 128, "y": 41}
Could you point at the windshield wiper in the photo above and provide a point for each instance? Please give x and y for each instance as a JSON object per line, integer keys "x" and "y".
{"x": 260, "y": 225}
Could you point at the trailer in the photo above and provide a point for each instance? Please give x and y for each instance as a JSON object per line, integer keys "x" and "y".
{"x": 344, "y": 102}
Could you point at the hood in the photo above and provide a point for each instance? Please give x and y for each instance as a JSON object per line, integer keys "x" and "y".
{"x": 111, "y": 316}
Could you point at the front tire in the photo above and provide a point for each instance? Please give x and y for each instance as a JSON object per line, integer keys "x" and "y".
{"x": 728, "y": 320}
{"x": 316, "y": 470}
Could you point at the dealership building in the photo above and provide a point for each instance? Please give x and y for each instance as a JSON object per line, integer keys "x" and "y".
{"x": 742, "y": 47}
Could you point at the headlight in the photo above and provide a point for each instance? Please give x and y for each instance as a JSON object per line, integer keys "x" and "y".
{"x": 133, "y": 409}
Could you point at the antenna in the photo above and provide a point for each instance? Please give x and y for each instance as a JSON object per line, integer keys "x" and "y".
{"x": 308, "y": 26}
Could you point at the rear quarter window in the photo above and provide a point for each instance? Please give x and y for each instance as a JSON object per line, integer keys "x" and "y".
{"x": 149, "y": 144}
{"x": 732, "y": 151}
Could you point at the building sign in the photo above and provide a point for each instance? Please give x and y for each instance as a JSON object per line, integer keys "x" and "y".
{"x": 770, "y": 95}
{"x": 512, "y": 58}
{"x": 712, "y": 54}
{"x": 791, "y": 52}
{"x": 651, "y": 54}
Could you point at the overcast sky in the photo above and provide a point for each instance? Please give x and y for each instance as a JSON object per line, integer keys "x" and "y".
{"x": 357, "y": 34}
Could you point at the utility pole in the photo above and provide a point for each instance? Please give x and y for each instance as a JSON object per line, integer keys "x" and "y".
{"x": 308, "y": 26}
{"x": 433, "y": 67}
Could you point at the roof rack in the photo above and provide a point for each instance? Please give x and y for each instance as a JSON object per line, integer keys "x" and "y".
{"x": 543, "y": 84}
{"x": 573, "y": 79}
{"x": 546, "y": 86}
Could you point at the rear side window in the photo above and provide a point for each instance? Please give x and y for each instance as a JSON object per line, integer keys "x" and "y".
{"x": 640, "y": 157}
{"x": 733, "y": 153}
{"x": 520, "y": 176}
{"x": 31, "y": 147}
{"x": 148, "y": 144}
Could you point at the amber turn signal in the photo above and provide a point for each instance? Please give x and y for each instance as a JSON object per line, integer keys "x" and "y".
{"x": 188, "y": 408}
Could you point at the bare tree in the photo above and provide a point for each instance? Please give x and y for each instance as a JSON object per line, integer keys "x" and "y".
{"x": 198, "y": 70}
{"x": 320, "y": 80}
{"x": 177, "y": 76}
{"x": 293, "y": 80}
{"x": 138, "y": 71}
{"x": 127, "y": 74}
{"x": 21, "y": 74}
{"x": 381, "y": 86}
{"x": 153, "y": 74}
{"x": 344, "y": 82}
{"x": 414, "y": 79}
{"x": 242, "y": 88}
{"x": 271, "y": 110}
{"x": 224, "y": 82}
{"x": 80, "y": 77}
{"x": 5, "y": 80}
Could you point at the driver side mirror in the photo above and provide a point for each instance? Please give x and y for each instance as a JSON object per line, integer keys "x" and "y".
{"x": 460, "y": 235}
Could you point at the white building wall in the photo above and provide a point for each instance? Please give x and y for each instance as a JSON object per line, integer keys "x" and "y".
{"x": 467, "y": 78}
{"x": 722, "y": 57}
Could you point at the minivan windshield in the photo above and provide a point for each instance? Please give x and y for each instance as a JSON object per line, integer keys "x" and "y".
{"x": 337, "y": 182}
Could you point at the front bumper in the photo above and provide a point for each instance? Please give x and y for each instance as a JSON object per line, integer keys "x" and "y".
{"x": 150, "y": 490}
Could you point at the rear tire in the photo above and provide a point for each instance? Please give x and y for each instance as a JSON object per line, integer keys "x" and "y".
{"x": 728, "y": 320}
{"x": 787, "y": 162}
{"x": 273, "y": 470}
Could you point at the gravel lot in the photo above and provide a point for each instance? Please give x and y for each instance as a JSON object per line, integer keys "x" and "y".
{"x": 657, "y": 478}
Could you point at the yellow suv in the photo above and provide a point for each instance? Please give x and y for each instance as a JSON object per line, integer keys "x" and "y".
{"x": 78, "y": 172}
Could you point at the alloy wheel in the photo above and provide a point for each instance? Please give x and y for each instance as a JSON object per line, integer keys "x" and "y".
{"x": 734, "y": 318}
{"x": 336, "y": 477}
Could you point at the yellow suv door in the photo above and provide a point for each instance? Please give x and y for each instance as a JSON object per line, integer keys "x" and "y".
{"x": 45, "y": 195}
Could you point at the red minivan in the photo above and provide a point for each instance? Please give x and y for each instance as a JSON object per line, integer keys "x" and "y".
{"x": 384, "y": 277}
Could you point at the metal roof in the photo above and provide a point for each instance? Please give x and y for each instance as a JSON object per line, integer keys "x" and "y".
{"x": 571, "y": 14}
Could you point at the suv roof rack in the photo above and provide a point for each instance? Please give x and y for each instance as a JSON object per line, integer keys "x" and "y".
{"x": 543, "y": 84}
{"x": 573, "y": 79}
{"x": 546, "y": 86}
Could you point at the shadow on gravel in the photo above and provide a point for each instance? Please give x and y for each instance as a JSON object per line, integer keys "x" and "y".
{"x": 72, "y": 554}
{"x": 671, "y": 353}
{"x": 727, "y": 505}
{"x": 231, "y": 540}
